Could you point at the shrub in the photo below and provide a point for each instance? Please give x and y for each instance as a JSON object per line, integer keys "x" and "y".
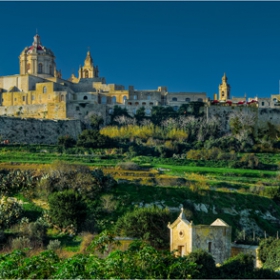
{"x": 146, "y": 223}
{"x": 128, "y": 166}
{"x": 54, "y": 245}
{"x": 67, "y": 210}
{"x": 20, "y": 243}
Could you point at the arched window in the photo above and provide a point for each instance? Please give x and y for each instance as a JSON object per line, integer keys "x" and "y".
{"x": 103, "y": 100}
{"x": 135, "y": 97}
{"x": 174, "y": 99}
{"x": 114, "y": 99}
{"x": 85, "y": 97}
{"x": 50, "y": 69}
{"x": 28, "y": 67}
{"x": 124, "y": 98}
{"x": 62, "y": 98}
{"x": 262, "y": 103}
{"x": 86, "y": 73}
{"x": 188, "y": 99}
{"x": 40, "y": 68}
{"x": 143, "y": 103}
{"x": 136, "y": 103}
{"x": 44, "y": 89}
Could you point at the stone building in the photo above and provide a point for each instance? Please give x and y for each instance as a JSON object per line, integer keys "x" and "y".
{"x": 185, "y": 237}
{"x": 39, "y": 91}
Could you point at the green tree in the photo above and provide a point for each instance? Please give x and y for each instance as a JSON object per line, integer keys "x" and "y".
{"x": 67, "y": 208}
{"x": 66, "y": 141}
{"x": 238, "y": 267}
{"x": 206, "y": 267}
{"x": 10, "y": 212}
{"x": 96, "y": 121}
{"x": 93, "y": 139}
{"x": 146, "y": 223}
{"x": 140, "y": 115}
{"x": 159, "y": 114}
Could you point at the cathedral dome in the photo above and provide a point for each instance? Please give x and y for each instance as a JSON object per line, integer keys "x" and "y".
{"x": 37, "y": 60}
{"x": 37, "y": 47}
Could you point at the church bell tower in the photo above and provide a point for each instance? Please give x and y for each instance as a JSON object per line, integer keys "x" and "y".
{"x": 224, "y": 89}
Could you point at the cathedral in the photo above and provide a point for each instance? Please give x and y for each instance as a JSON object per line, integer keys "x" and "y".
{"x": 39, "y": 91}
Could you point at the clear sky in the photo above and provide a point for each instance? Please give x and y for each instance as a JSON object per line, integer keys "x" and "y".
{"x": 186, "y": 46}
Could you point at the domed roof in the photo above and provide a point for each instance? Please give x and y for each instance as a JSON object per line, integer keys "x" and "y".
{"x": 37, "y": 47}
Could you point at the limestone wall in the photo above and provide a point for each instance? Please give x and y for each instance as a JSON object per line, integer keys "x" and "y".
{"x": 181, "y": 238}
{"x": 214, "y": 239}
{"x": 37, "y": 131}
{"x": 246, "y": 249}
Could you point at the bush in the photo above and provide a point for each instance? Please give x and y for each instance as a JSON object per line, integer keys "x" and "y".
{"x": 93, "y": 139}
{"x": 206, "y": 264}
{"x": 54, "y": 245}
{"x": 20, "y": 243}
{"x": 146, "y": 223}
{"x": 67, "y": 210}
{"x": 128, "y": 166}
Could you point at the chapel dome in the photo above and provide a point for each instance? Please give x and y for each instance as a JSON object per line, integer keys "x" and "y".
{"x": 37, "y": 47}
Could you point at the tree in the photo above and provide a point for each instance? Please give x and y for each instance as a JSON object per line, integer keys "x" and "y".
{"x": 140, "y": 115}
{"x": 206, "y": 267}
{"x": 93, "y": 139}
{"x": 10, "y": 212}
{"x": 146, "y": 223}
{"x": 96, "y": 121}
{"x": 160, "y": 114}
{"x": 66, "y": 141}
{"x": 67, "y": 209}
{"x": 238, "y": 267}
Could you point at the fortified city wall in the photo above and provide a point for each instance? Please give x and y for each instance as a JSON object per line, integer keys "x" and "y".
{"x": 37, "y": 131}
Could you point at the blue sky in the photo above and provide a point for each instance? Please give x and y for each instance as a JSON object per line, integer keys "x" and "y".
{"x": 186, "y": 46}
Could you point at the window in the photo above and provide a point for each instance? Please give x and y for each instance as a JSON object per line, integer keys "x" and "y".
{"x": 32, "y": 97}
{"x": 209, "y": 247}
{"x": 15, "y": 99}
{"x": 49, "y": 97}
{"x": 85, "y": 97}
{"x": 188, "y": 99}
{"x": 110, "y": 111}
{"x": 23, "y": 98}
{"x": 86, "y": 73}
{"x": 50, "y": 69}
{"x": 151, "y": 103}
{"x": 136, "y": 103}
{"x": 149, "y": 97}
{"x": 114, "y": 99}
{"x": 74, "y": 96}
{"x": 103, "y": 100}
{"x": 175, "y": 108}
{"x": 124, "y": 98}
{"x": 40, "y": 68}
{"x": 174, "y": 99}
{"x": 77, "y": 108}
{"x": 44, "y": 89}
{"x": 28, "y": 66}
{"x": 143, "y": 103}
{"x": 262, "y": 103}
{"x": 135, "y": 97}
{"x": 199, "y": 99}
{"x": 62, "y": 98}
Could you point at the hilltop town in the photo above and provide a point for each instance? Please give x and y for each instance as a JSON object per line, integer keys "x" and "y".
{"x": 39, "y": 92}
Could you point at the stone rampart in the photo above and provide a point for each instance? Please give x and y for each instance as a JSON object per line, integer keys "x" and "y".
{"x": 37, "y": 131}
